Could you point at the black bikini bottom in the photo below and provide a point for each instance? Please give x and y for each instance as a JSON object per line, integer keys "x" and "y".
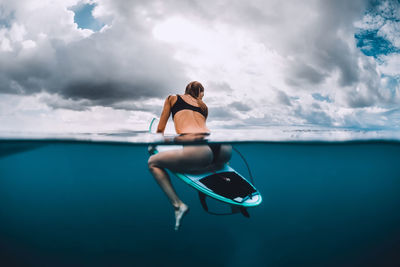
{"x": 216, "y": 149}
{"x": 199, "y": 137}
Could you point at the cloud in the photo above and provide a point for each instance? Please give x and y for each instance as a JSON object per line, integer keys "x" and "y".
{"x": 57, "y": 102}
{"x": 282, "y": 98}
{"x": 240, "y": 106}
{"x": 105, "y": 67}
{"x": 222, "y": 113}
{"x": 262, "y": 62}
{"x": 299, "y": 72}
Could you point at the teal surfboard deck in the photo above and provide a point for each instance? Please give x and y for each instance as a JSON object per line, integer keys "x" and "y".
{"x": 225, "y": 184}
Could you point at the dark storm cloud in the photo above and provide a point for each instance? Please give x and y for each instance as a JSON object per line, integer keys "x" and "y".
{"x": 24, "y": 75}
{"x": 108, "y": 92}
{"x": 122, "y": 63}
{"x": 113, "y": 68}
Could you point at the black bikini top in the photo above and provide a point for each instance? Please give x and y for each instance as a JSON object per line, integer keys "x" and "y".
{"x": 180, "y": 104}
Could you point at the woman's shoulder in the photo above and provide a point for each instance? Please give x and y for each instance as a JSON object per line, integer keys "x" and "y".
{"x": 172, "y": 99}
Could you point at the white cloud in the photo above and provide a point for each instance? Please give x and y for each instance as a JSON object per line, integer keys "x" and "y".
{"x": 34, "y": 114}
{"x": 390, "y": 65}
{"x": 390, "y": 31}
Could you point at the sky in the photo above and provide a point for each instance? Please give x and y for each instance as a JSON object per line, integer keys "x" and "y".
{"x": 107, "y": 65}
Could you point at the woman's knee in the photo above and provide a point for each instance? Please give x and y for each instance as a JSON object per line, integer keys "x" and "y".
{"x": 155, "y": 168}
{"x": 163, "y": 160}
{"x": 152, "y": 162}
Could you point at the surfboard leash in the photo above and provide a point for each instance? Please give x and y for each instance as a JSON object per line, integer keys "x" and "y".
{"x": 227, "y": 179}
{"x": 245, "y": 162}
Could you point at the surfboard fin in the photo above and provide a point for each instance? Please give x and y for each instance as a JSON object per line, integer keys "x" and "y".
{"x": 244, "y": 212}
{"x": 203, "y": 202}
{"x": 234, "y": 209}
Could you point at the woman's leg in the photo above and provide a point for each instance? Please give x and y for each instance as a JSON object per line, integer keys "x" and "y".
{"x": 184, "y": 160}
{"x": 163, "y": 180}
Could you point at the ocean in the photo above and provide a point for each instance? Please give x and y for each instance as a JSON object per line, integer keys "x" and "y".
{"x": 94, "y": 203}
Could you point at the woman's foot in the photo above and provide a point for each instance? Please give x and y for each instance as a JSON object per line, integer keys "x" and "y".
{"x": 179, "y": 213}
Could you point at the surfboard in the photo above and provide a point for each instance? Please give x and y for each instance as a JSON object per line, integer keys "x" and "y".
{"x": 225, "y": 184}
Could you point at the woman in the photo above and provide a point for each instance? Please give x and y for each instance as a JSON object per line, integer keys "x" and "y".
{"x": 189, "y": 114}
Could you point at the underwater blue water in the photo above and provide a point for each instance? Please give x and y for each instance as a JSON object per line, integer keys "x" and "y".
{"x": 96, "y": 204}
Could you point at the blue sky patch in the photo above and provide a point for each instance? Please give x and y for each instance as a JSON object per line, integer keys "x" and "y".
{"x": 373, "y": 45}
{"x": 84, "y": 18}
{"x": 319, "y": 97}
{"x": 5, "y": 19}
{"x": 392, "y": 83}
{"x": 370, "y": 42}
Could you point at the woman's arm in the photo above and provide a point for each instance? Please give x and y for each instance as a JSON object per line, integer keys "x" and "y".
{"x": 164, "y": 115}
